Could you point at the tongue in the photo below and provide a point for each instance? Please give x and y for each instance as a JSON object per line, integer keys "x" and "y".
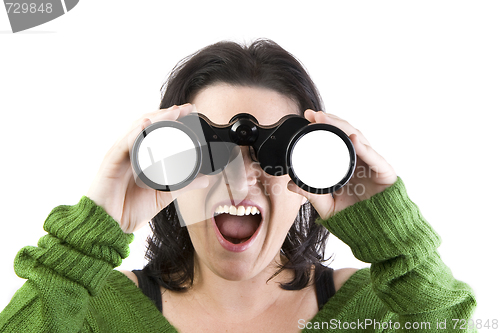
{"x": 238, "y": 227}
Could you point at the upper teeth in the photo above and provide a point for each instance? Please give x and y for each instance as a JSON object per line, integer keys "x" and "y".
{"x": 238, "y": 211}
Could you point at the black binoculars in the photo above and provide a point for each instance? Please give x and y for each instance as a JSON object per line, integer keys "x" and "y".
{"x": 168, "y": 155}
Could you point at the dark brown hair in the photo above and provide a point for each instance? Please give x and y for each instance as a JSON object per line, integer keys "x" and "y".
{"x": 262, "y": 64}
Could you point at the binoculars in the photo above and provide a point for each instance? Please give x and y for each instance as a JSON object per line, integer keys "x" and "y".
{"x": 168, "y": 155}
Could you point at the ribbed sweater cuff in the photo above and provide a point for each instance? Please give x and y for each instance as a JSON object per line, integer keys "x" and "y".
{"x": 384, "y": 226}
{"x": 89, "y": 229}
{"x": 83, "y": 245}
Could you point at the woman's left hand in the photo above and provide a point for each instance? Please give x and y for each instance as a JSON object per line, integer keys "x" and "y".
{"x": 372, "y": 174}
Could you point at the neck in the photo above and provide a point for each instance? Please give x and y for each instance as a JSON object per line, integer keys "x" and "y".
{"x": 233, "y": 299}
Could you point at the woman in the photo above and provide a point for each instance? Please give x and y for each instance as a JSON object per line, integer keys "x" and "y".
{"x": 196, "y": 281}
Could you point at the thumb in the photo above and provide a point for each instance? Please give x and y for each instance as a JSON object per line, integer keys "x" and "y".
{"x": 323, "y": 203}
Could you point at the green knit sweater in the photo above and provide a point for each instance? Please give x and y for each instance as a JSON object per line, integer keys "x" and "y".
{"x": 72, "y": 287}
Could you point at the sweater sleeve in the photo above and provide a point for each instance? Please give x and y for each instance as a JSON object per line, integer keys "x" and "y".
{"x": 407, "y": 273}
{"x": 68, "y": 268}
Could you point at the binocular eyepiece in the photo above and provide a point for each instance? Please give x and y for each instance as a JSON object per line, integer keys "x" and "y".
{"x": 168, "y": 155}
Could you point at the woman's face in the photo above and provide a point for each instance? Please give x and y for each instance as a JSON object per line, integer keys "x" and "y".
{"x": 240, "y": 244}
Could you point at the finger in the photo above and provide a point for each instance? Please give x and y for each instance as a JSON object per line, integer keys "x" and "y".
{"x": 187, "y": 109}
{"x": 171, "y": 114}
{"x": 309, "y": 115}
{"x": 120, "y": 150}
{"x": 385, "y": 172}
{"x": 328, "y": 118}
{"x": 345, "y": 126}
{"x": 126, "y": 144}
{"x": 323, "y": 203}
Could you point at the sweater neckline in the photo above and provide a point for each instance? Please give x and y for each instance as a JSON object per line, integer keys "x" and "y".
{"x": 155, "y": 321}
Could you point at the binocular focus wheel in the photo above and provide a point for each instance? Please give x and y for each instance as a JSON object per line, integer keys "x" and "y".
{"x": 321, "y": 158}
{"x": 166, "y": 156}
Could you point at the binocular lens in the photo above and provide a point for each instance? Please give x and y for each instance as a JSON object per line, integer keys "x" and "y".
{"x": 167, "y": 156}
{"x": 320, "y": 160}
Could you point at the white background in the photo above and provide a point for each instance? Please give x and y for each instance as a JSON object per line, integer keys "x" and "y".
{"x": 421, "y": 80}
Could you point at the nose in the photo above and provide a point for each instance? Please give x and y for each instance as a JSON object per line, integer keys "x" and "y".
{"x": 243, "y": 171}
{"x": 252, "y": 167}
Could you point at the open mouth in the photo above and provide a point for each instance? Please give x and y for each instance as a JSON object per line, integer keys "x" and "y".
{"x": 237, "y": 225}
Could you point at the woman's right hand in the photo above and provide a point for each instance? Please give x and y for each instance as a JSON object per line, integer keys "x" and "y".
{"x": 114, "y": 187}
